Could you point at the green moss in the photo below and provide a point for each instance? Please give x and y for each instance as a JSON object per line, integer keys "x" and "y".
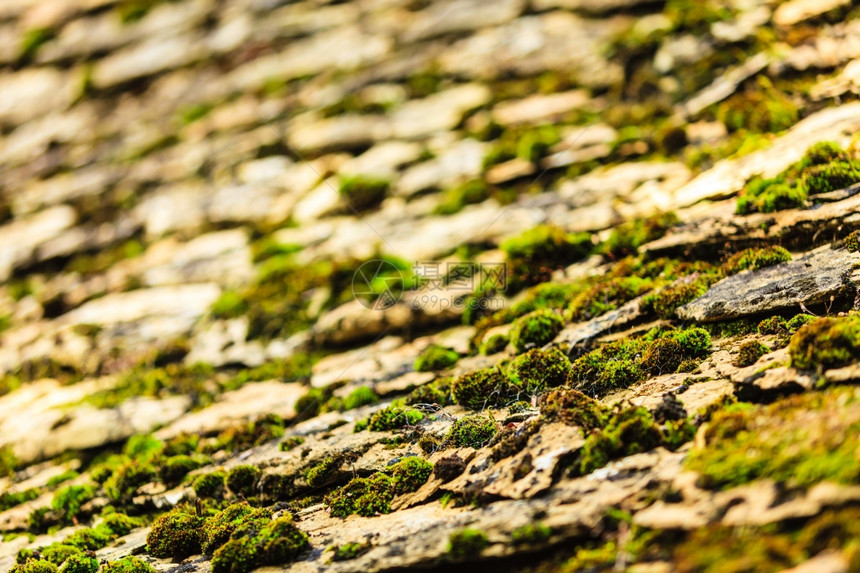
{"x": 409, "y": 474}
{"x": 800, "y": 440}
{"x": 664, "y": 356}
{"x": 494, "y": 343}
{"x": 773, "y": 325}
{"x": 798, "y": 320}
{"x": 361, "y": 193}
{"x": 830, "y": 177}
{"x": 121, "y": 524}
{"x": 124, "y": 481}
{"x": 535, "y": 329}
{"x": 629, "y": 431}
{"x": 175, "y": 534}
{"x": 69, "y": 499}
{"x": 9, "y": 500}
{"x": 170, "y": 380}
{"x": 349, "y": 551}
{"x": 531, "y": 534}
{"x": 242, "y": 480}
{"x": 175, "y": 468}
{"x": 32, "y": 40}
{"x": 393, "y": 417}
{"x": 606, "y": 296}
{"x": 363, "y": 496}
{"x": 760, "y": 108}
{"x": 80, "y": 563}
{"x": 291, "y": 443}
{"x": 89, "y": 538}
{"x": 611, "y": 366}
{"x": 35, "y": 566}
{"x": 229, "y": 305}
{"x": 436, "y": 357}
{"x": 628, "y": 237}
{"x": 769, "y": 195}
{"x": 361, "y": 396}
{"x": 219, "y": 528}
{"x": 436, "y": 392}
{"x": 63, "y": 477}
{"x": 537, "y": 369}
{"x": 252, "y": 546}
{"x": 455, "y": 199}
{"x": 210, "y": 485}
{"x": 533, "y": 255}
{"x": 8, "y": 461}
{"x": 324, "y": 472}
{"x": 573, "y": 408}
{"x": 467, "y": 543}
{"x": 694, "y": 341}
{"x": 664, "y": 302}
{"x": 128, "y": 564}
{"x": 57, "y": 553}
{"x": 474, "y": 431}
{"x": 749, "y": 353}
{"x": 481, "y": 389}
{"x": 826, "y": 343}
{"x": 754, "y": 259}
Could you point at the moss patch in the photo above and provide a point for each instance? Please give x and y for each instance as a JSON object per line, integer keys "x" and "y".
{"x": 537, "y": 369}
{"x": 535, "y": 254}
{"x": 535, "y": 329}
{"x": 474, "y": 431}
{"x": 800, "y": 441}
{"x": 467, "y": 543}
{"x": 436, "y": 357}
{"x": 826, "y": 343}
{"x": 175, "y": 534}
{"x": 754, "y": 259}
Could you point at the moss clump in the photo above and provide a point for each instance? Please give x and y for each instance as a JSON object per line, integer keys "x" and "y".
{"x": 536, "y": 253}
{"x": 324, "y": 472}
{"x": 125, "y": 480}
{"x": 664, "y": 302}
{"x": 410, "y": 474}
{"x": 799, "y": 320}
{"x": 57, "y": 553}
{"x": 247, "y": 435}
{"x": 749, "y": 353}
{"x": 535, "y": 329}
{"x": 393, "y": 417}
{"x": 436, "y": 392}
{"x": 121, "y": 524}
{"x": 607, "y": 295}
{"x": 825, "y": 167}
{"x": 629, "y": 431}
{"x": 494, "y": 343}
{"x": 361, "y": 396}
{"x": 754, "y": 259}
{"x": 363, "y": 496}
{"x": 35, "y": 566}
{"x": 89, "y": 538}
{"x": 538, "y": 369}
{"x": 175, "y": 468}
{"x": 175, "y": 534}
{"x": 242, "y": 480}
{"x": 349, "y": 551}
{"x": 826, "y": 343}
{"x": 62, "y": 478}
{"x": 628, "y": 237}
{"x": 481, "y": 389}
{"x": 531, "y": 533}
{"x": 664, "y": 356}
{"x": 80, "y": 563}
{"x": 362, "y": 193}
{"x": 573, "y": 408}
{"x": 852, "y": 242}
{"x": 210, "y": 485}
{"x": 830, "y": 177}
{"x": 609, "y": 367}
{"x": 449, "y": 467}
{"x": 773, "y": 325}
{"x": 453, "y": 200}
{"x": 467, "y": 543}
{"x": 474, "y": 431}
{"x": 800, "y": 440}
{"x": 252, "y": 546}
{"x": 128, "y": 564}
{"x": 218, "y": 529}
{"x": 69, "y": 499}
{"x": 436, "y": 357}
{"x": 9, "y": 500}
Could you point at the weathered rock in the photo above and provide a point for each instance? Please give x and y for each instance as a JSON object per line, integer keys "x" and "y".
{"x": 811, "y": 279}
